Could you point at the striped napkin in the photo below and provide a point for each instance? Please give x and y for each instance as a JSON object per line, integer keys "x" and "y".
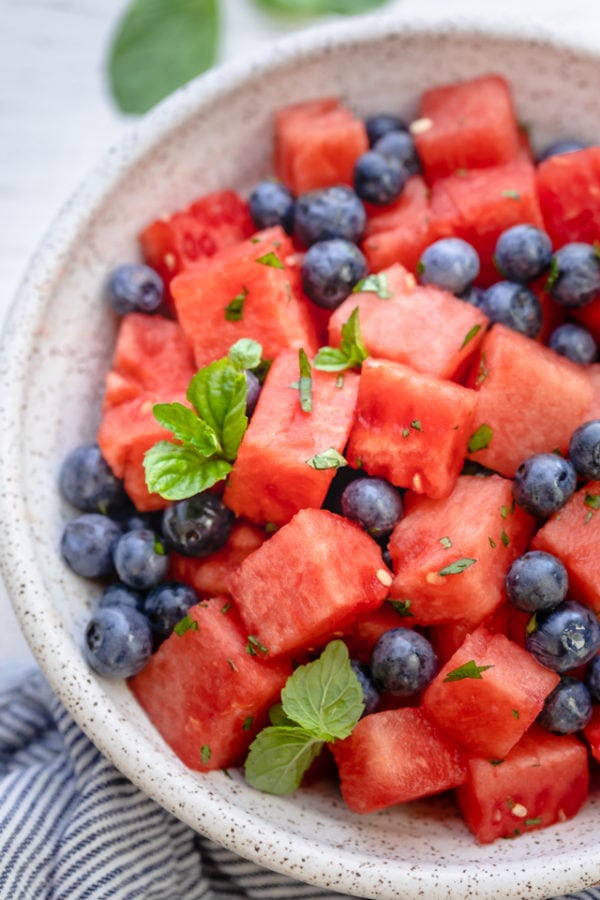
{"x": 73, "y": 828}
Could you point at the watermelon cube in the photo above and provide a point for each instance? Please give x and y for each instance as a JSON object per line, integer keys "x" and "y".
{"x": 479, "y": 204}
{"x": 569, "y": 193}
{"x": 423, "y": 327}
{"x": 592, "y": 733}
{"x": 451, "y": 556}
{"x": 544, "y": 779}
{"x": 271, "y": 478}
{"x": 313, "y": 577}
{"x": 317, "y": 144}
{"x": 399, "y": 233}
{"x": 506, "y": 367}
{"x": 467, "y": 125}
{"x": 488, "y": 694}
{"x": 205, "y": 693}
{"x": 573, "y": 534}
{"x": 411, "y": 428}
{"x": 245, "y": 291}
{"x": 393, "y": 757}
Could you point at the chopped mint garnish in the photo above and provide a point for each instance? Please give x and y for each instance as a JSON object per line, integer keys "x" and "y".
{"x": 246, "y": 353}
{"x": 321, "y": 702}
{"x": 247, "y": 723}
{"x": 480, "y": 439}
{"x": 234, "y": 310}
{"x": 457, "y": 566}
{"x": 270, "y": 259}
{"x": 205, "y": 753}
{"x": 470, "y": 335}
{"x": 402, "y": 607}
{"x": 254, "y": 646}
{"x": 352, "y": 352}
{"x": 468, "y": 670}
{"x": 328, "y": 459}
{"x": 446, "y": 542}
{"x": 592, "y": 500}
{"x": 184, "y": 625}
{"x": 375, "y": 284}
{"x": 511, "y": 194}
{"x": 305, "y": 383}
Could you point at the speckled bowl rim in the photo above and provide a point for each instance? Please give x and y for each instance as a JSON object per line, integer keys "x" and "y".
{"x": 238, "y": 832}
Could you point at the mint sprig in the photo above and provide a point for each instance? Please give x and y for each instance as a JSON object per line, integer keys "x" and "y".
{"x": 321, "y": 702}
{"x": 207, "y": 436}
{"x": 351, "y": 353}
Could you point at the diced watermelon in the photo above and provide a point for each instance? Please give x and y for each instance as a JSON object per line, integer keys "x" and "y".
{"x": 479, "y": 204}
{"x": 478, "y": 522}
{"x": 420, "y": 326}
{"x": 208, "y": 575}
{"x": 313, "y": 577}
{"x": 393, "y": 757}
{"x": 184, "y": 239}
{"x": 410, "y": 428}
{"x": 569, "y": 192}
{"x": 317, "y": 144}
{"x": 488, "y": 714}
{"x": 244, "y": 291}
{"x": 544, "y": 779}
{"x": 573, "y": 534}
{"x": 507, "y": 366}
{"x": 399, "y": 233}
{"x": 271, "y": 478}
{"x": 592, "y": 733}
{"x": 205, "y": 693}
{"x": 468, "y": 125}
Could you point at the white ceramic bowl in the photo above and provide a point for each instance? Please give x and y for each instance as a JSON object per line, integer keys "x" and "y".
{"x": 217, "y": 133}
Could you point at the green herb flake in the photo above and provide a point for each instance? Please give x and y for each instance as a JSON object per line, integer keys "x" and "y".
{"x": 592, "y": 500}
{"x": 184, "y": 625}
{"x": 402, "y": 607}
{"x": 531, "y": 625}
{"x": 205, "y": 754}
{"x": 339, "y": 382}
{"x": 536, "y": 821}
{"x": 405, "y": 432}
{"x": 492, "y": 543}
{"x": 495, "y": 762}
{"x": 375, "y": 284}
{"x": 416, "y": 424}
{"x": 254, "y": 646}
{"x": 270, "y": 259}
{"x": 553, "y": 274}
{"x": 305, "y": 385}
{"x": 225, "y": 608}
{"x": 588, "y": 517}
{"x": 457, "y": 566}
{"x": 480, "y": 439}
{"x": 470, "y": 335}
{"x": 504, "y": 511}
{"x": 328, "y": 459}
{"x": 511, "y": 194}
{"x": 446, "y": 542}
{"x": 516, "y": 714}
{"x": 231, "y": 664}
{"x": 247, "y": 723}
{"x": 234, "y": 310}
{"x": 482, "y": 370}
{"x": 468, "y": 670}
{"x": 504, "y": 538}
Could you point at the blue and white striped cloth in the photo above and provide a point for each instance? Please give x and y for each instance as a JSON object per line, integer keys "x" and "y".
{"x": 73, "y": 828}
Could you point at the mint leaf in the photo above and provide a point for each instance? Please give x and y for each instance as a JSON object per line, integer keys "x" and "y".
{"x": 234, "y": 311}
{"x": 278, "y": 758}
{"x": 458, "y": 566}
{"x": 480, "y": 439}
{"x": 187, "y": 427}
{"x": 352, "y": 352}
{"x": 278, "y": 717}
{"x": 330, "y": 359}
{"x": 324, "y": 697}
{"x": 592, "y": 500}
{"x": 319, "y": 7}
{"x": 218, "y": 394}
{"x": 246, "y": 353}
{"x": 177, "y": 472}
{"x": 160, "y": 45}
{"x": 402, "y": 607}
{"x": 305, "y": 383}
{"x": 375, "y": 284}
{"x": 270, "y": 259}
{"x": 328, "y": 459}
{"x": 468, "y": 670}
{"x": 184, "y": 625}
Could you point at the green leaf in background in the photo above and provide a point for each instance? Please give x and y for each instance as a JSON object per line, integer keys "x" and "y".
{"x": 319, "y": 7}
{"x": 160, "y": 45}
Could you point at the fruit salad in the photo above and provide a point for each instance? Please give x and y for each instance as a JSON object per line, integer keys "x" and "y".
{"x": 344, "y": 500}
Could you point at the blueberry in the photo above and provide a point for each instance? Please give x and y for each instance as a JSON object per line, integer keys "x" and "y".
{"x": 379, "y": 179}
{"x": 198, "y": 526}
{"x": 330, "y": 269}
{"x": 574, "y": 278}
{"x": 129, "y": 518}
{"x": 401, "y": 146}
{"x": 536, "y": 581}
{"x": 166, "y": 605}
{"x": 565, "y": 637}
{"x": 87, "y": 482}
{"x": 403, "y": 662}
{"x": 253, "y": 389}
{"x": 382, "y": 123}
{"x": 120, "y": 594}
{"x": 568, "y": 708}
{"x": 543, "y": 483}
{"x": 514, "y": 305}
{"x": 523, "y": 253}
{"x": 374, "y": 503}
{"x": 134, "y": 287}
{"x": 450, "y": 263}
{"x": 575, "y": 342}
{"x": 472, "y": 295}
{"x": 370, "y": 692}
{"x": 584, "y": 450}
{"x": 559, "y": 148}
{"x": 272, "y": 203}
{"x": 87, "y": 544}
{"x": 140, "y": 559}
{"x": 332, "y": 212}
{"x": 592, "y": 678}
{"x": 118, "y": 642}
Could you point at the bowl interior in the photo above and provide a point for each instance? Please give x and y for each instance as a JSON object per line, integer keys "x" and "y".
{"x": 56, "y": 349}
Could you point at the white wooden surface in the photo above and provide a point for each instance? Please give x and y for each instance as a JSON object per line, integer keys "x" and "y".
{"x": 56, "y": 118}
